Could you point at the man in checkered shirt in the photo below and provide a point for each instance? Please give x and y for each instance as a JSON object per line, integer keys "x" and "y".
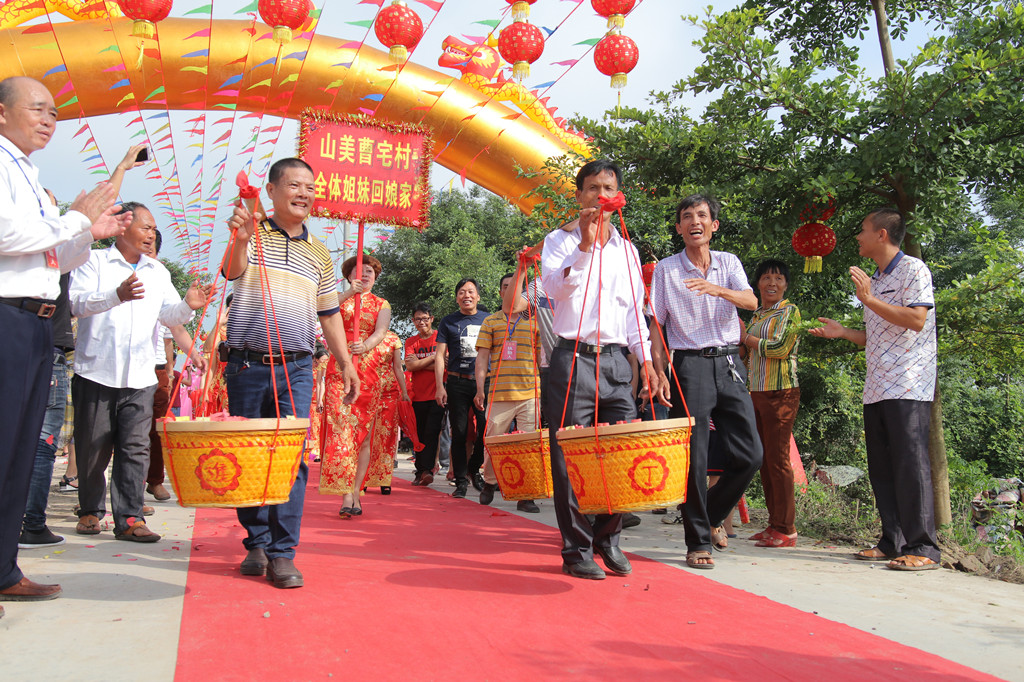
{"x": 899, "y": 339}
{"x": 695, "y": 294}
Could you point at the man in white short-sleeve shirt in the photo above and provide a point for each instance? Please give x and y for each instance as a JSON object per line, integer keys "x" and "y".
{"x": 899, "y": 339}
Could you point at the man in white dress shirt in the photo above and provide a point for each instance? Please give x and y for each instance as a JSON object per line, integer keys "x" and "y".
{"x": 592, "y": 319}
{"x": 37, "y": 244}
{"x": 118, "y": 296}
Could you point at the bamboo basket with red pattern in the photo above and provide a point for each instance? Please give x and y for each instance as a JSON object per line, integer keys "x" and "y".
{"x": 246, "y": 463}
{"x": 522, "y": 464}
{"x": 629, "y": 466}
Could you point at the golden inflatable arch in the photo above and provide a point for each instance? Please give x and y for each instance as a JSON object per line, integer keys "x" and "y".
{"x": 218, "y": 65}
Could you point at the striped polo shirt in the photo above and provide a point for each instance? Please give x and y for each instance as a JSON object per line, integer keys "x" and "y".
{"x": 771, "y": 365}
{"x": 514, "y": 379}
{"x": 301, "y": 283}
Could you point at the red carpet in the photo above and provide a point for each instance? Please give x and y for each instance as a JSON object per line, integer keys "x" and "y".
{"x": 427, "y": 587}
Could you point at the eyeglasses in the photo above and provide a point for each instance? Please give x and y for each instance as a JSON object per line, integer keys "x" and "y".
{"x": 421, "y": 319}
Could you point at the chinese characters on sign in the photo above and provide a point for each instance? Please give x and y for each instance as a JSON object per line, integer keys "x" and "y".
{"x": 366, "y": 170}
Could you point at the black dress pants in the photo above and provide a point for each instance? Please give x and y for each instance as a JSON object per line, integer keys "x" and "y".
{"x": 429, "y": 417}
{"x": 26, "y": 366}
{"x": 581, "y": 532}
{"x": 460, "y": 406}
{"x": 715, "y": 388}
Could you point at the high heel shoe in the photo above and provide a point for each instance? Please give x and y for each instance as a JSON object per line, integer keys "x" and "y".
{"x": 356, "y": 511}
{"x": 345, "y": 513}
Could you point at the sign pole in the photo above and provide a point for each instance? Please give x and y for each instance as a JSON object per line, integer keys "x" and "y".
{"x": 359, "y": 275}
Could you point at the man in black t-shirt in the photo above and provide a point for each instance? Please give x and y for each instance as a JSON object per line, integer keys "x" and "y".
{"x": 457, "y": 334}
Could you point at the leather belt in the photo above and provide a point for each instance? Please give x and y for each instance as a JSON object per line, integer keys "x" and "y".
{"x": 712, "y": 351}
{"x": 460, "y": 375}
{"x": 41, "y": 307}
{"x": 588, "y": 348}
{"x": 267, "y": 358}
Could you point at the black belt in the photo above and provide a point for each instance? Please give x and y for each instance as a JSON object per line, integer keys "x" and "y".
{"x": 161, "y": 367}
{"x": 712, "y": 351}
{"x": 588, "y": 348}
{"x": 267, "y": 358}
{"x": 460, "y": 375}
{"x": 39, "y": 306}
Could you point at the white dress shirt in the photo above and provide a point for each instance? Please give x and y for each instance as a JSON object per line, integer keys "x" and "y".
{"x": 616, "y": 286}
{"x": 30, "y": 225}
{"x": 115, "y": 340}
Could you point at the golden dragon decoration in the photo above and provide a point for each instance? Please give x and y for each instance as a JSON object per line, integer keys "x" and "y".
{"x": 16, "y": 12}
{"x": 480, "y": 66}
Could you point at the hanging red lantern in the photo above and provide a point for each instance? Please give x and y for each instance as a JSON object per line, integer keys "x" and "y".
{"x": 399, "y": 29}
{"x": 145, "y": 13}
{"x": 285, "y": 16}
{"x": 520, "y": 8}
{"x": 616, "y": 55}
{"x": 521, "y": 44}
{"x": 814, "y": 241}
{"x": 613, "y": 10}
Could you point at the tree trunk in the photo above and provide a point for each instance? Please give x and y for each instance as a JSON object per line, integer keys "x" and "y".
{"x": 882, "y": 22}
{"x": 936, "y": 434}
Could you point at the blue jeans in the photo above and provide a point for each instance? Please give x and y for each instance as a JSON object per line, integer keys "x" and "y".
{"x": 250, "y": 386}
{"x": 46, "y": 448}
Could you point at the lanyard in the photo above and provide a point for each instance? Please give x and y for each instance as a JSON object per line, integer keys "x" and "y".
{"x": 42, "y": 213}
{"x": 513, "y": 329}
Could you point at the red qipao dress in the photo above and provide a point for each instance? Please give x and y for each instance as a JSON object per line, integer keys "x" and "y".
{"x": 373, "y": 415}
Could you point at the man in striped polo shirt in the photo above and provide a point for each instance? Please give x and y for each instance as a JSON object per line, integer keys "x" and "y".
{"x": 283, "y": 281}
{"x": 509, "y": 343}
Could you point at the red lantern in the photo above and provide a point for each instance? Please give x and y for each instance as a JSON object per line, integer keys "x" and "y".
{"x": 521, "y": 44}
{"x": 285, "y": 16}
{"x": 399, "y": 29}
{"x": 616, "y": 55}
{"x": 520, "y": 8}
{"x": 614, "y": 10}
{"x": 145, "y": 13}
{"x": 813, "y": 241}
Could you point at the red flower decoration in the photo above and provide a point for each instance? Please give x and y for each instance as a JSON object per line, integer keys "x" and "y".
{"x": 649, "y": 473}
{"x": 616, "y": 55}
{"x": 399, "y": 29}
{"x": 245, "y": 190}
{"x": 218, "y": 471}
{"x": 521, "y": 44}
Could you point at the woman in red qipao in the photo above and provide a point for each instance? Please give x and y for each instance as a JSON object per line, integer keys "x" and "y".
{"x": 360, "y": 439}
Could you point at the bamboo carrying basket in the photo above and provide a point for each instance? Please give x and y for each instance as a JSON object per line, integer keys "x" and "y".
{"x": 632, "y": 466}
{"x": 235, "y": 463}
{"x": 522, "y": 464}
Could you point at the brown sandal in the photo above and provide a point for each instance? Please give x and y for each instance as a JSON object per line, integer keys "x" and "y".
{"x": 88, "y": 525}
{"x": 873, "y": 554}
{"x": 912, "y": 562}
{"x": 701, "y": 559}
{"x": 719, "y": 538}
{"x": 138, "y": 532}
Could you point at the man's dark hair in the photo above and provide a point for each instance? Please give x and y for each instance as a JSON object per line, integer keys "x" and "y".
{"x": 596, "y": 167}
{"x": 890, "y": 220}
{"x": 770, "y": 265}
{"x": 229, "y": 299}
{"x": 281, "y": 165}
{"x": 696, "y": 200}
{"x": 423, "y": 307}
{"x": 130, "y": 206}
{"x": 507, "y": 275}
{"x": 463, "y": 282}
{"x": 158, "y": 242}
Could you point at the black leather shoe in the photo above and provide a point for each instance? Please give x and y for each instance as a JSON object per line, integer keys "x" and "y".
{"x": 460, "y": 490}
{"x": 281, "y": 572}
{"x": 478, "y": 481}
{"x": 614, "y": 560}
{"x": 587, "y": 569}
{"x": 487, "y": 494}
{"x": 630, "y": 520}
{"x": 255, "y": 562}
{"x": 528, "y": 506}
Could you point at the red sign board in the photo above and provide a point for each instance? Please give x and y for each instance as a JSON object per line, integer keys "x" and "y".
{"x": 367, "y": 170}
